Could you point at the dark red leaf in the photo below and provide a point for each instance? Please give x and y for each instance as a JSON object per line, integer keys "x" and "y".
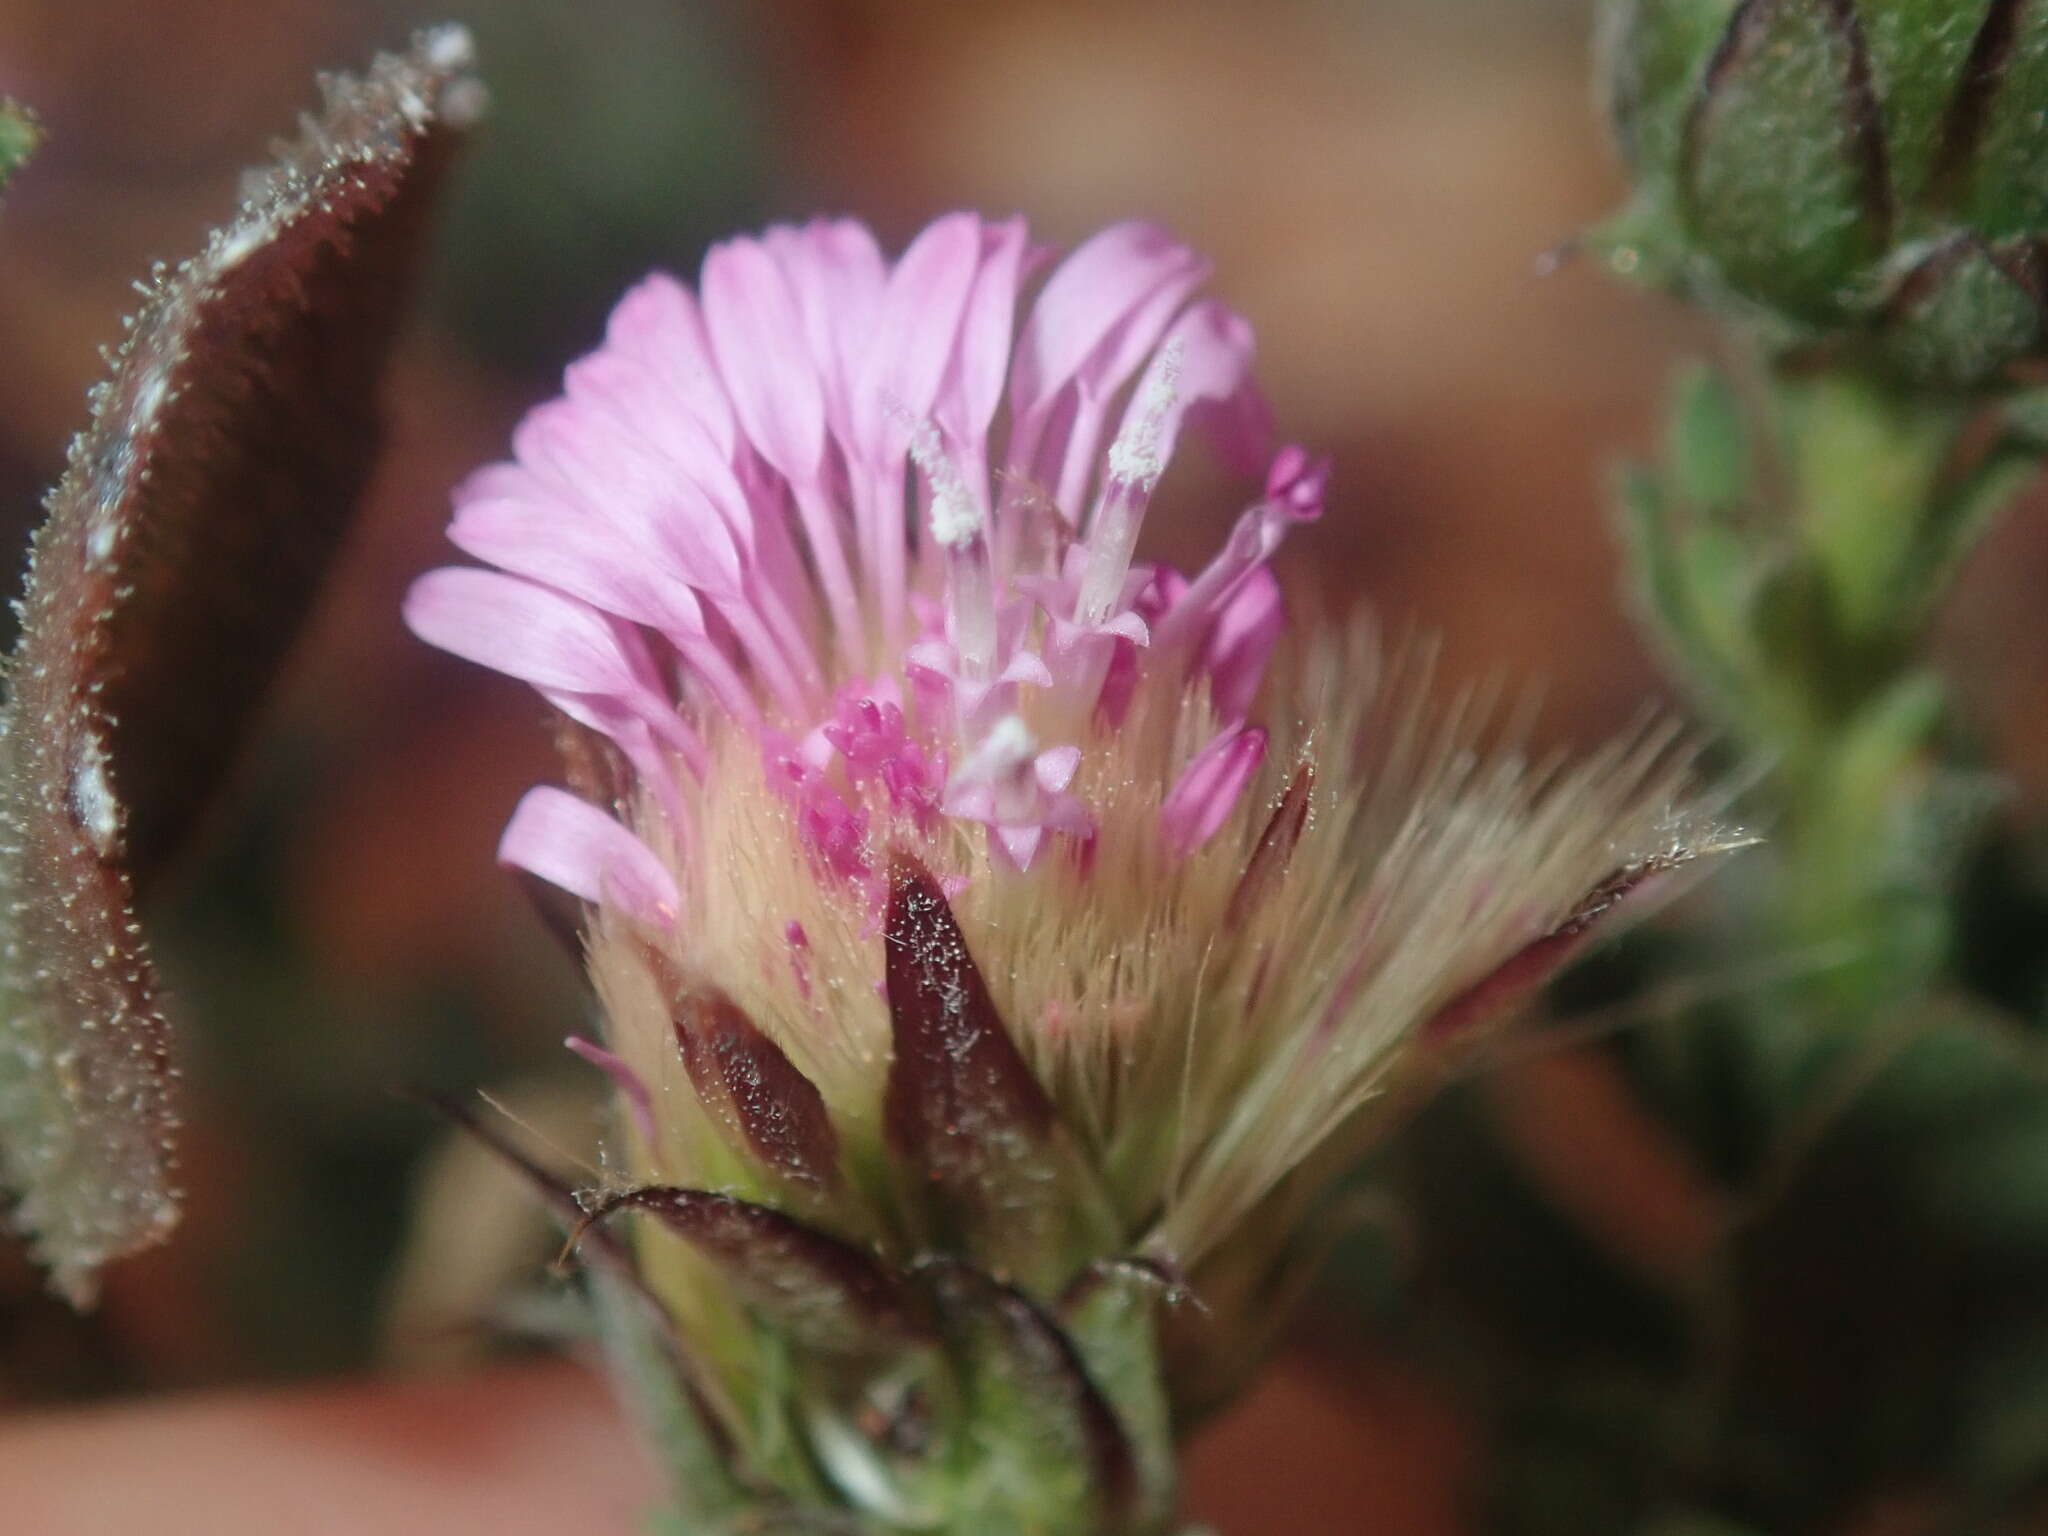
{"x": 744, "y": 1078}
{"x": 180, "y": 554}
{"x": 825, "y": 1292}
{"x": 611, "y": 1253}
{"x": 1535, "y": 963}
{"x": 961, "y": 1107}
{"x": 960, "y": 1097}
{"x": 555, "y": 1192}
{"x": 971, "y": 1125}
{"x": 1268, "y": 862}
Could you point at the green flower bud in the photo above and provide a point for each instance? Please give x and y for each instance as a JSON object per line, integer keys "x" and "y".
{"x": 1863, "y": 176}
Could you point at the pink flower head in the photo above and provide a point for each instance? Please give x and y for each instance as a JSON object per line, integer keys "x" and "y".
{"x": 880, "y": 520}
{"x": 883, "y": 735}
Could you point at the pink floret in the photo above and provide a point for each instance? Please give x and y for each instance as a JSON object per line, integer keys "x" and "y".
{"x": 824, "y": 467}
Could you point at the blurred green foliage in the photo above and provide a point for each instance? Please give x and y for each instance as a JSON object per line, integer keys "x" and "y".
{"x": 1841, "y": 176}
{"x": 1860, "y": 1066}
{"x": 17, "y": 137}
{"x": 317, "y": 1079}
{"x": 624, "y": 135}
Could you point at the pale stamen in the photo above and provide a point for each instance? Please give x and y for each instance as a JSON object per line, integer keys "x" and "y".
{"x": 1135, "y": 464}
{"x": 959, "y": 527}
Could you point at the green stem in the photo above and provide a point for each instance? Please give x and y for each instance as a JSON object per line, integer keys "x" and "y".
{"x": 1865, "y": 468}
{"x": 1872, "y": 517}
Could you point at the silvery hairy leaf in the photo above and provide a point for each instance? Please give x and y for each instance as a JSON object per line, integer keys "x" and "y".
{"x": 224, "y": 457}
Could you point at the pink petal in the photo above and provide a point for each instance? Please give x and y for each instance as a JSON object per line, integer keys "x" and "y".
{"x": 674, "y": 456}
{"x": 609, "y": 571}
{"x": 1084, "y": 318}
{"x": 916, "y": 330}
{"x": 1065, "y": 813}
{"x": 1294, "y": 494}
{"x": 974, "y": 385}
{"x": 658, "y": 324}
{"x": 526, "y": 631}
{"x": 757, "y": 336}
{"x": 1026, "y": 667}
{"x": 490, "y": 481}
{"x": 1298, "y": 482}
{"x": 610, "y": 388}
{"x": 970, "y": 802}
{"x": 1055, "y": 768}
{"x": 571, "y": 843}
{"x": 934, "y": 656}
{"x": 1126, "y": 626}
{"x": 587, "y": 455}
{"x": 836, "y": 271}
{"x": 1237, "y": 428}
{"x": 580, "y": 557}
{"x": 1020, "y": 843}
{"x": 1197, "y": 806}
{"x": 1214, "y": 347}
{"x": 1100, "y": 316}
{"x": 645, "y": 737}
{"x": 635, "y": 537}
{"x": 1241, "y": 641}
{"x": 639, "y": 1102}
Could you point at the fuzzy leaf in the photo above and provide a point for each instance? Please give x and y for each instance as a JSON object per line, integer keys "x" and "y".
{"x": 1920, "y": 55}
{"x": 1782, "y": 169}
{"x": 1677, "y": 592}
{"x": 1875, "y": 749}
{"x": 2005, "y": 142}
{"x": 1805, "y": 666}
{"x": 1708, "y": 451}
{"x": 181, "y": 550}
{"x": 1653, "y": 53}
{"x": 962, "y": 1108}
{"x": 1963, "y": 514}
{"x": 1964, "y": 313}
{"x": 826, "y": 1293}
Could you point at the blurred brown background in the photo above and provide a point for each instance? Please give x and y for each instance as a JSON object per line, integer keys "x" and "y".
{"x": 1376, "y": 182}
